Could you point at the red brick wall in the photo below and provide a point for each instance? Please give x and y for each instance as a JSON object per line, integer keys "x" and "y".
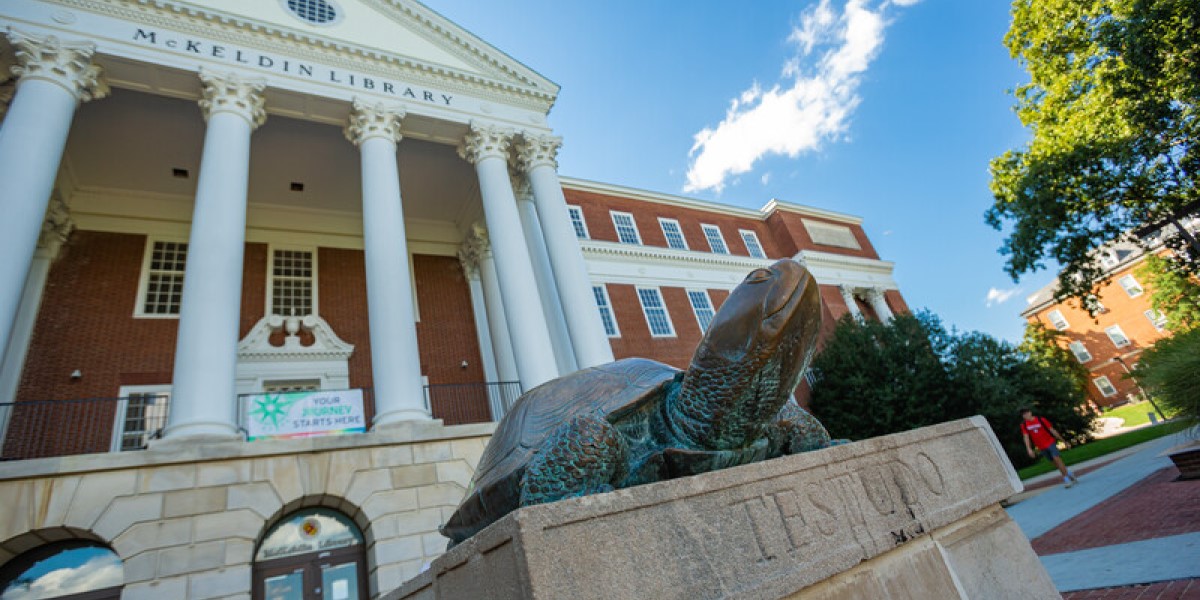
{"x": 447, "y": 337}
{"x": 788, "y": 229}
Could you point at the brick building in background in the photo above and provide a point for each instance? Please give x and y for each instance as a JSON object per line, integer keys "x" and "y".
{"x": 208, "y": 204}
{"x": 1111, "y": 342}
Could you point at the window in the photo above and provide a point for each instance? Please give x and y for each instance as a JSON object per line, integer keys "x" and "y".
{"x": 291, "y": 289}
{"x": 656, "y": 312}
{"x": 1105, "y": 386}
{"x": 68, "y": 569}
{"x": 1117, "y": 336}
{"x": 161, "y": 289}
{"x": 577, "y": 222}
{"x": 627, "y": 232}
{"x": 606, "y": 314}
{"x": 703, "y": 308}
{"x": 1080, "y": 352}
{"x": 315, "y": 12}
{"x": 1131, "y": 286}
{"x": 1108, "y": 259}
{"x": 141, "y": 415}
{"x": 312, "y": 548}
{"x": 674, "y": 235}
{"x": 752, "y": 245}
{"x": 715, "y": 240}
{"x": 1056, "y": 319}
{"x": 1157, "y": 319}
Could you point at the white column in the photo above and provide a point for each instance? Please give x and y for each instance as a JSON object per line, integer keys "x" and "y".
{"x": 395, "y": 360}
{"x": 537, "y": 159}
{"x": 564, "y": 353}
{"x": 54, "y": 77}
{"x": 487, "y": 148}
{"x": 879, "y": 304}
{"x": 469, "y": 259}
{"x": 851, "y": 305}
{"x": 204, "y": 388}
{"x": 493, "y": 300}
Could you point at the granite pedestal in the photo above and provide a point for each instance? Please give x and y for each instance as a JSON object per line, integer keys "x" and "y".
{"x": 910, "y": 515}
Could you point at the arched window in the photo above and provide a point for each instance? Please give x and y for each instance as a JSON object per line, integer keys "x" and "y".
{"x": 315, "y": 553}
{"x": 75, "y": 569}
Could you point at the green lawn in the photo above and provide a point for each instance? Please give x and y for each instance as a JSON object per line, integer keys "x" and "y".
{"x": 1133, "y": 414}
{"x": 1078, "y": 454}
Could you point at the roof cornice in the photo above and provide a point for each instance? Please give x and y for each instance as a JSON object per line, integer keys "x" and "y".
{"x": 779, "y": 205}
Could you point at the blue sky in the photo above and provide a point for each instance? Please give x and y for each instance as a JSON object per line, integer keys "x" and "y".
{"x": 886, "y": 109}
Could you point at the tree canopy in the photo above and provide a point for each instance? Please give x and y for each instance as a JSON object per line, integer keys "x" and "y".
{"x": 880, "y": 378}
{"x": 1173, "y": 293}
{"x": 1112, "y": 105}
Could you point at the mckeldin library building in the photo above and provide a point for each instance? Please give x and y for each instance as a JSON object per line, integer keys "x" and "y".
{"x": 271, "y": 270}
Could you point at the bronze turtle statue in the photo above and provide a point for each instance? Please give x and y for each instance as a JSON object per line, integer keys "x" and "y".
{"x": 637, "y": 421}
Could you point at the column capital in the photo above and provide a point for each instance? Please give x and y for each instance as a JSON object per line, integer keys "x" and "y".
{"x": 536, "y": 150}
{"x": 230, "y": 92}
{"x": 847, "y": 290}
{"x": 522, "y": 190}
{"x": 477, "y": 243}
{"x": 874, "y": 294}
{"x": 373, "y": 120}
{"x": 468, "y": 257}
{"x": 485, "y": 141}
{"x": 66, "y": 64}
{"x": 58, "y": 224}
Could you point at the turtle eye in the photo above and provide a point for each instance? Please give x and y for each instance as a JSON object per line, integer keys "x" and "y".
{"x": 758, "y": 276}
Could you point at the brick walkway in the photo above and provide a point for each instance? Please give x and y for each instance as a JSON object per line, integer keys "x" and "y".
{"x": 1180, "y": 589}
{"x": 1157, "y": 506}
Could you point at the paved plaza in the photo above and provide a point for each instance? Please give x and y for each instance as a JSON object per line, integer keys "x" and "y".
{"x": 1129, "y": 530}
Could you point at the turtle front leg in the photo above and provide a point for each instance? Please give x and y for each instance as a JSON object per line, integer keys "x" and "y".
{"x": 795, "y": 430}
{"x": 585, "y": 455}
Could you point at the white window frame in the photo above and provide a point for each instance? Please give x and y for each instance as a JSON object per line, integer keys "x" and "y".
{"x": 662, "y": 224}
{"x": 1109, "y": 332}
{"x": 748, "y": 236}
{"x": 1106, "y": 383}
{"x": 575, "y": 214}
{"x": 1108, "y": 259}
{"x": 118, "y": 428}
{"x": 1128, "y": 283}
{"x": 632, "y": 222}
{"x": 1079, "y": 349}
{"x": 1156, "y": 318}
{"x": 645, "y": 313}
{"x": 139, "y": 305}
{"x": 696, "y": 310}
{"x": 1050, "y": 317}
{"x": 270, "y": 291}
{"x": 710, "y": 229}
{"x": 608, "y": 306}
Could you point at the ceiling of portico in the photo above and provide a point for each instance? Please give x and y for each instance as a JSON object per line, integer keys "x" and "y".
{"x": 133, "y": 142}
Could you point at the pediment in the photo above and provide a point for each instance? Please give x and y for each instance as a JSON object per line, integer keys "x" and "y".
{"x": 402, "y": 36}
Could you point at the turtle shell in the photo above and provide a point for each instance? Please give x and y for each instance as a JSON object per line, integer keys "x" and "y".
{"x": 603, "y": 389}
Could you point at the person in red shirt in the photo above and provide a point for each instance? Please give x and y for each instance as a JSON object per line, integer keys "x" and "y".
{"x": 1038, "y": 432}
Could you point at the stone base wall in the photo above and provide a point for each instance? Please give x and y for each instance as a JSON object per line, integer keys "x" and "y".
{"x": 910, "y": 515}
{"x": 186, "y": 520}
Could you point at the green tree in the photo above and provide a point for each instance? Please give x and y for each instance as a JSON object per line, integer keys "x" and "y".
{"x": 1112, "y": 105}
{"x": 1168, "y": 372}
{"x": 1173, "y": 292}
{"x": 883, "y": 378}
{"x": 1046, "y": 347}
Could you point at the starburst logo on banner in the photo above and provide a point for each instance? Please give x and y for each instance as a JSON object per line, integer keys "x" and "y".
{"x": 272, "y": 407}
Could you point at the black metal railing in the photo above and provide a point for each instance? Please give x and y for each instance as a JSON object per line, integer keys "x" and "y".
{"x": 458, "y": 403}
{"x": 40, "y": 428}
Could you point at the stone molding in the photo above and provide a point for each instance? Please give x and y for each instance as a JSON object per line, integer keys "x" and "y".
{"x": 656, "y": 253}
{"x": 485, "y": 141}
{"x": 537, "y": 150}
{"x": 58, "y": 224}
{"x": 373, "y": 120}
{"x": 256, "y": 346}
{"x": 478, "y": 245}
{"x": 66, "y": 64}
{"x": 235, "y": 94}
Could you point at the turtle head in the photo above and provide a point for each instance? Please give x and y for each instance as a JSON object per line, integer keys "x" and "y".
{"x": 751, "y": 358}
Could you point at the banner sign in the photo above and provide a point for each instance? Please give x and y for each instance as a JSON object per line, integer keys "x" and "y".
{"x": 286, "y": 415}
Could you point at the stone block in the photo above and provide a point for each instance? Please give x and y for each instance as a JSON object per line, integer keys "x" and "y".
{"x": 95, "y": 492}
{"x": 19, "y": 506}
{"x": 152, "y": 535}
{"x": 391, "y": 456}
{"x": 238, "y": 552}
{"x": 455, "y": 471}
{"x": 419, "y": 521}
{"x": 366, "y": 483}
{"x": 414, "y": 475}
{"x": 191, "y": 558}
{"x": 158, "y": 589}
{"x": 429, "y": 452}
{"x": 398, "y": 550}
{"x": 469, "y": 450}
{"x": 62, "y": 492}
{"x": 259, "y": 497}
{"x": 343, "y": 465}
{"x": 125, "y": 511}
{"x": 231, "y": 524}
{"x": 143, "y": 567}
{"x": 283, "y": 473}
{"x": 766, "y": 530}
{"x": 440, "y": 494}
{"x": 219, "y": 583}
{"x": 314, "y": 473}
{"x": 389, "y": 501}
{"x": 223, "y": 473}
{"x": 986, "y": 550}
{"x": 169, "y": 478}
{"x": 196, "y": 501}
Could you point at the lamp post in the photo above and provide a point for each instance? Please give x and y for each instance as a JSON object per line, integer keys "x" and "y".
{"x": 1129, "y": 375}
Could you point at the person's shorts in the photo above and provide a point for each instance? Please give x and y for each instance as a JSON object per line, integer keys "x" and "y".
{"x": 1050, "y": 452}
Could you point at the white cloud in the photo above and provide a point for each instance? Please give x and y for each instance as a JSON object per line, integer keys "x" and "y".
{"x": 766, "y": 178}
{"x": 997, "y": 296}
{"x": 813, "y": 102}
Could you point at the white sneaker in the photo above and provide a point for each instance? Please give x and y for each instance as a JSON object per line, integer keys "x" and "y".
{"x": 1069, "y": 481}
